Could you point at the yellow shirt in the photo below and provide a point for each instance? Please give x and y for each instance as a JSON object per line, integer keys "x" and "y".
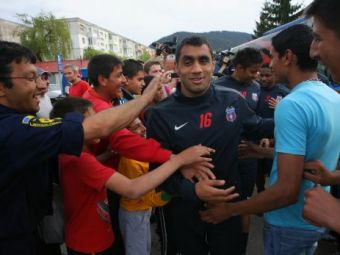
{"x": 132, "y": 169}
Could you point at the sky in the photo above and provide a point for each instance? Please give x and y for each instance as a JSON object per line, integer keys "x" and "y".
{"x": 146, "y": 21}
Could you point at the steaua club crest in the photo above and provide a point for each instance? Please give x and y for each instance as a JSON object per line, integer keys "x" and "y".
{"x": 230, "y": 114}
{"x": 255, "y": 97}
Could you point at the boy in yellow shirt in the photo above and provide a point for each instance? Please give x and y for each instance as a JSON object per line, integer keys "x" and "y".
{"x": 134, "y": 214}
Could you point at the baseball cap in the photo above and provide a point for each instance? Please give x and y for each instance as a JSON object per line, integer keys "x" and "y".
{"x": 41, "y": 71}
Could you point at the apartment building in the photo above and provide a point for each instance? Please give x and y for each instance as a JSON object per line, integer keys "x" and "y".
{"x": 85, "y": 34}
{"x": 9, "y": 30}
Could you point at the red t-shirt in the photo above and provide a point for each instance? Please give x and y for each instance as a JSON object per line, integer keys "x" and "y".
{"x": 79, "y": 88}
{"x": 124, "y": 142}
{"x": 83, "y": 186}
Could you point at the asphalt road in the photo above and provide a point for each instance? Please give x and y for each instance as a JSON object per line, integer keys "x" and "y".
{"x": 325, "y": 247}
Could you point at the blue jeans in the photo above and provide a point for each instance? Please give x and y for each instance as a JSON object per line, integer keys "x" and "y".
{"x": 289, "y": 241}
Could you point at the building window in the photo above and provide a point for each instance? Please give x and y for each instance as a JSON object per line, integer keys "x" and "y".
{"x": 90, "y": 40}
{"x": 83, "y": 39}
{"x": 82, "y": 28}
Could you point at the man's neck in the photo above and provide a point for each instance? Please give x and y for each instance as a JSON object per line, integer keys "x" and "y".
{"x": 301, "y": 76}
{"x": 103, "y": 94}
{"x": 76, "y": 80}
{"x": 236, "y": 77}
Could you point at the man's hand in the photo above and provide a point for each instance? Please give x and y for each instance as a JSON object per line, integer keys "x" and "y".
{"x": 248, "y": 150}
{"x": 152, "y": 89}
{"x": 217, "y": 213}
{"x": 316, "y": 172}
{"x": 206, "y": 191}
{"x": 199, "y": 171}
{"x": 166, "y": 77}
{"x": 265, "y": 142}
{"x": 322, "y": 209}
{"x": 273, "y": 102}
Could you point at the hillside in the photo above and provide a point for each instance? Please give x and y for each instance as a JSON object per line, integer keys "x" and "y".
{"x": 220, "y": 40}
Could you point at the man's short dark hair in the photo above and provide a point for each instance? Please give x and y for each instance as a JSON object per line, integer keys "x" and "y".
{"x": 298, "y": 39}
{"x": 193, "y": 41}
{"x": 148, "y": 64}
{"x": 12, "y": 52}
{"x": 70, "y": 104}
{"x": 328, "y": 12}
{"x": 247, "y": 57}
{"x": 102, "y": 64}
{"x": 131, "y": 67}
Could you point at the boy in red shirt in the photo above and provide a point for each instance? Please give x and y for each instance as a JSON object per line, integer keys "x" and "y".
{"x": 84, "y": 180}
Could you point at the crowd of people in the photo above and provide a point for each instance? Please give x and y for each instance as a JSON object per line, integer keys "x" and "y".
{"x": 178, "y": 146}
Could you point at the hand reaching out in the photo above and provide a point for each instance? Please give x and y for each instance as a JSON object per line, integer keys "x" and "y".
{"x": 194, "y": 154}
{"x": 199, "y": 171}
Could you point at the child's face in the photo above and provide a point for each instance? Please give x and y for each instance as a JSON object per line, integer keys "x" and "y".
{"x": 136, "y": 83}
{"x": 137, "y": 127}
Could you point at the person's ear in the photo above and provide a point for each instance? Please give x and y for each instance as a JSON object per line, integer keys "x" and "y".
{"x": 102, "y": 80}
{"x": 213, "y": 64}
{"x": 289, "y": 57}
{"x": 2, "y": 89}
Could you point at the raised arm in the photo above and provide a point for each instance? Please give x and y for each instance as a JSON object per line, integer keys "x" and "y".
{"x": 106, "y": 122}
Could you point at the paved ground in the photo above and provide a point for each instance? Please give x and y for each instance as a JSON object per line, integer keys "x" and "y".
{"x": 254, "y": 244}
{"x": 255, "y": 241}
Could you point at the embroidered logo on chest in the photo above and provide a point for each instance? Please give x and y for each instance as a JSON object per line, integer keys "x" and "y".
{"x": 230, "y": 114}
{"x": 255, "y": 97}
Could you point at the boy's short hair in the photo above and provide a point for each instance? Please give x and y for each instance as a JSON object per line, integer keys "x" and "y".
{"x": 327, "y": 11}
{"x": 70, "y": 104}
{"x": 247, "y": 57}
{"x": 12, "y": 52}
{"x": 147, "y": 65}
{"x": 102, "y": 64}
{"x": 193, "y": 41}
{"x": 131, "y": 67}
{"x": 298, "y": 39}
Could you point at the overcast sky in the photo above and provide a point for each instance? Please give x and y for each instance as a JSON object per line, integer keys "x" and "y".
{"x": 148, "y": 20}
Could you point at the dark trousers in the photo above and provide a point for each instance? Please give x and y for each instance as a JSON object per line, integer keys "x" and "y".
{"x": 20, "y": 245}
{"x": 248, "y": 171}
{"x": 193, "y": 236}
{"x": 118, "y": 246}
{"x": 264, "y": 167}
{"x": 106, "y": 252}
{"x": 28, "y": 244}
{"x": 166, "y": 237}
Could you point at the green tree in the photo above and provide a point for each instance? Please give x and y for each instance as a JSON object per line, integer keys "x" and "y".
{"x": 275, "y": 13}
{"x": 46, "y": 36}
{"x": 145, "y": 56}
{"x": 90, "y": 52}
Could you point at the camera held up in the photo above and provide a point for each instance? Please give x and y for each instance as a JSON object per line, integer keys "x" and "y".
{"x": 165, "y": 48}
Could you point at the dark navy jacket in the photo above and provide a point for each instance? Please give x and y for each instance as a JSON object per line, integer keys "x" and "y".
{"x": 276, "y": 91}
{"x": 216, "y": 119}
{"x": 26, "y": 145}
{"x": 251, "y": 92}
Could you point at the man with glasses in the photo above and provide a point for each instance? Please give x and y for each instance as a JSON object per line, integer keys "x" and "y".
{"x": 28, "y": 142}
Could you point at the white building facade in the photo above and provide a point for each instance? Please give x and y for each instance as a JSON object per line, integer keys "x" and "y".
{"x": 9, "y": 30}
{"x": 87, "y": 35}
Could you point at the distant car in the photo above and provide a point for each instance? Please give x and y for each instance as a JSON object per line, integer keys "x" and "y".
{"x": 54, "y": 92}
